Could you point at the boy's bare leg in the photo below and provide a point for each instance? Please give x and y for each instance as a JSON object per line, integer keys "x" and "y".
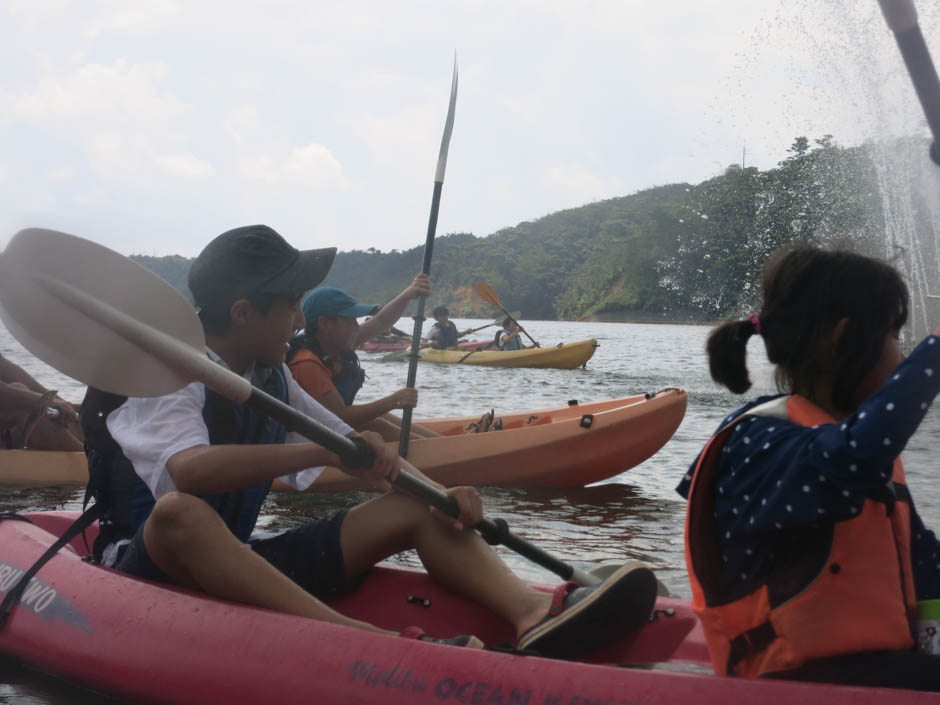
{"x": 460, "y": 561}
{"x": 189, "y": 542}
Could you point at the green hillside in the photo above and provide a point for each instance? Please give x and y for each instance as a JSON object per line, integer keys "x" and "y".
{"x": 674, "y": 252}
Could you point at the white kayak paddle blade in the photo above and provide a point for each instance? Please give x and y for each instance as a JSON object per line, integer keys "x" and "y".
{"x": 96, "y": 316}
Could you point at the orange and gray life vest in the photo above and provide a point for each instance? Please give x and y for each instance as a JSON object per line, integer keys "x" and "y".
{"x": 841, "y": 587}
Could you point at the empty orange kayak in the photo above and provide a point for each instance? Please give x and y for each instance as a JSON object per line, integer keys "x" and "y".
{"x": 568, "y": 446}
{"x": 542, "y": 448}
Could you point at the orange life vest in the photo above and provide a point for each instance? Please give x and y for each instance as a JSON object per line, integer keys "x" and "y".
{"x": 849, "y": 589}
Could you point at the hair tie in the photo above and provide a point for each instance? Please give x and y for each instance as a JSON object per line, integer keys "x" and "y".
{"x": 756, "y": 321}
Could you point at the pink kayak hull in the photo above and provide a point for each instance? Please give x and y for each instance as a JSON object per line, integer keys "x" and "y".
{"x": 149, "y": 643}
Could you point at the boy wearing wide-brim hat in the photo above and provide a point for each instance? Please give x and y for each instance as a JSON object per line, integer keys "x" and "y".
{"x": 202, "y": 465}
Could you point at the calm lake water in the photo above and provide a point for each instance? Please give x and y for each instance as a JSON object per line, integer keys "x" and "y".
{"x": 636, "y": 515}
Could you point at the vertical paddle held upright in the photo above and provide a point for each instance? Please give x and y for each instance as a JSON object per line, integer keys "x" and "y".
{"x": 428, "y": 250}
{"x": 902, "y": 20}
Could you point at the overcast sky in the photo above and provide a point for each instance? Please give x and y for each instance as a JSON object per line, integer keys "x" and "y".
{"x": 151, "y": 126}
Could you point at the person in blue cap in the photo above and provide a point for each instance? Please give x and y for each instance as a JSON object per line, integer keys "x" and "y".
{"x": 324, "y": 363}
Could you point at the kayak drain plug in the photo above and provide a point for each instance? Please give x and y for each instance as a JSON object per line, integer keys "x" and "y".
{"x": 423, "y": 601}
{"x": 587, "y": 420}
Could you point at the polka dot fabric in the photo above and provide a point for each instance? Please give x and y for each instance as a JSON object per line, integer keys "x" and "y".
{"x": 775, "y": 475}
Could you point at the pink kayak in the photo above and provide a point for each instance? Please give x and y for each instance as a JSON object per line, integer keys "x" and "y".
{"x": 370, "y": 346}
{"x": 150, "y": 643}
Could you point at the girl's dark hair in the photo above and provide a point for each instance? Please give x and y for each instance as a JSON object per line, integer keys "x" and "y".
{"x": 806, "y": 292}
{"x": 440, "y": 311}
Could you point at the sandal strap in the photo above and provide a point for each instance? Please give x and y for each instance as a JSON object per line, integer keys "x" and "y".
{"x": 558, "y": 597}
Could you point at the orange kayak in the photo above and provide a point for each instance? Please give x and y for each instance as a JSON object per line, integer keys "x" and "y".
{"x": 568, "y": 446}
{"x": 541, "y": 448}
{"x": 42, "y": 468}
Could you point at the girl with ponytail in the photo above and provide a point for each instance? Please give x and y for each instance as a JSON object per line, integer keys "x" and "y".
{"x": 805, "y": 553}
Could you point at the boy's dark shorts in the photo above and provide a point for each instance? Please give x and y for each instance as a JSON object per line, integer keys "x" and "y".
{"x": 310, "y": 555}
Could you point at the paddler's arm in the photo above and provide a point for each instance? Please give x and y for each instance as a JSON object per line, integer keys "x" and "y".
{"x": 15, "y": 398}
{"x": 357, "y": 415}
{"x": 392, "y": 311}
{"x": 11, "y": 372}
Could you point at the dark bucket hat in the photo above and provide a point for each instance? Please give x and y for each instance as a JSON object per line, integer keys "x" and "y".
{"x": 254, "y": 259}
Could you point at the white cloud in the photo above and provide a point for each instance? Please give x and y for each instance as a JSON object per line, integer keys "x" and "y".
{"x": 120, "y": 96}
{"x": 312, "y": 165}
{"x": 241, "y": 122}
{"x": 61, "y": 174}
{"x": 119, "y": 16}
{"x": 185, "y": 165}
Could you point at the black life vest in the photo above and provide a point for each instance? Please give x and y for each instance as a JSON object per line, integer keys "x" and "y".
{"x": 125, "y": 499}
{"x": 350, "y": 377}
{"x": 446, "y": 336}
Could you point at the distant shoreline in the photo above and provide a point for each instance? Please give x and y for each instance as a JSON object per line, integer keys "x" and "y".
{"x": 624, "y": 318}
{"x": 664, "y": 319}
{"x": 648, "y": 318}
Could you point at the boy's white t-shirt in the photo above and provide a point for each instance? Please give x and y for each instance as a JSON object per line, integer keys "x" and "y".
{"x": 151, "y": 430}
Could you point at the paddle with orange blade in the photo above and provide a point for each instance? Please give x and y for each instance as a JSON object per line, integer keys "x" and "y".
{"x": 491, "y": 297}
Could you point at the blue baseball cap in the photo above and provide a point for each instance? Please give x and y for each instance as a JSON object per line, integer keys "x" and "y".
{"x": 330, "y": 301}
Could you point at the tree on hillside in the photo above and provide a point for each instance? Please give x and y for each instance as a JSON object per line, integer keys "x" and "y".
{"x": 823, "y": 194}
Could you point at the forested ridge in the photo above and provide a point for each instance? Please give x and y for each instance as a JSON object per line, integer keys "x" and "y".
{"x": 673, "y": 252}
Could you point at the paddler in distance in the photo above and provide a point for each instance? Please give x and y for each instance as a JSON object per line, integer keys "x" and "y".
{"x": 323, "y": 359}
{"x": 443, "y": 333}
{"x": 510, "y": 336}
{"x": 183, "y": 478}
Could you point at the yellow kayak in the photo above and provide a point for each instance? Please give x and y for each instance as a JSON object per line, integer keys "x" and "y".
{"x": 565, "y": 356}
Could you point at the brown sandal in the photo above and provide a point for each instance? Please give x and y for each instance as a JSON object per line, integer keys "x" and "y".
{"x": 487, "y": 422}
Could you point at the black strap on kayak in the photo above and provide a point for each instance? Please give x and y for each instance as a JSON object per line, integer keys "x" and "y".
{"x": 88, "y": 517}
{"x": 11, "y": 516}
